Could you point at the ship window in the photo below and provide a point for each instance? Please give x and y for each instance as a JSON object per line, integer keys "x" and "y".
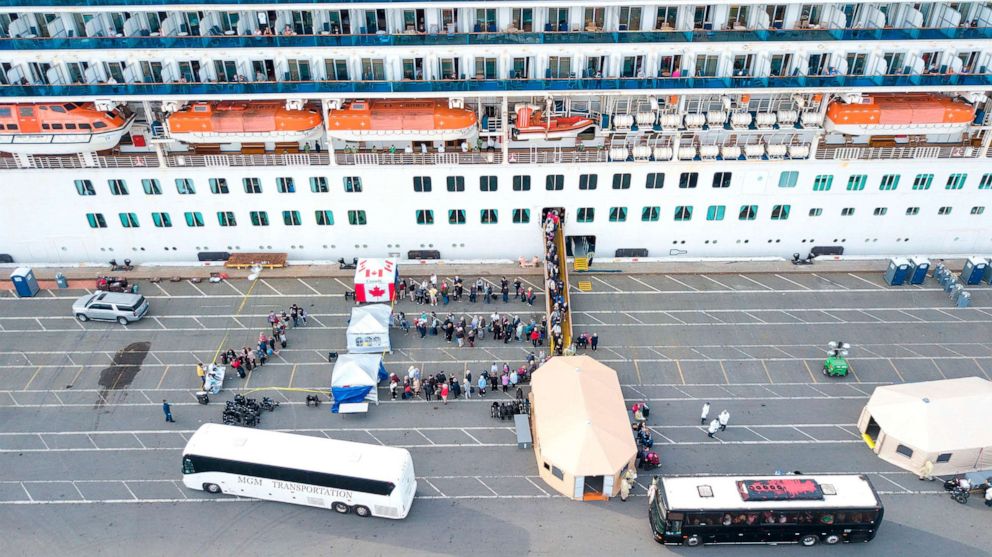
{"x": 780, "y": 212}
{"x": 259, "y": 218}
{"x": 185, "y": 186}
{"x": 252, "y": 185}
{"x": 226, "y": 218}
{"x": 977, "y": 210}
{"x": 357, "y": 218}
{"x": 847, "y": 212}
{"x": 881, "y": 211}
{"x": 57, "y": 126}
{"x": 287, "y": 185}
{"x": 554, "y": 182}
{"x": 856, "y": 182}
{"x": 85, "y": 187}
{"x": 589, "y": 181}
{"x": 194, "y": 219}
{"x": 487, "y": 183}
{"x": 152, "y": 187}
{"x": 200, "y": 108}
{"x": 117, "y": 187}
{"x": 26, "y": 111}
{"x": 291, "y": 218}
{"x": 922, "y": 181}
{"x": 748, "y": 212}
{"x": 84, "y": 126}
{"x": 687, "y": 180}
{"x": 655, "y": 181}
{"x": 58, "y": 109}
{"x": 621, "y": 181}
{"x": 422, "y": 184}
{"x": 162, "y": 220}
{"x": 788, "y": 179}
{"x": 11, "y": 126}
{"x": 46, "y": 127}
{"x": 521, "y": 216}
{"x": 912, "y": 211}
{"x": 456, "y": 216}
{"x": 71, "y": 106}
{"x": 96, "y": 220}
{"x": 324, "y": 217}
{"x": 521, "y": 183}
{"x": 318, "y": 184}
{"x": 945, "y": 210}
{"x": 99, "y": 125}
{"x": 489, "y": 216}
{"x": 5, "y": 112}
{"x": 456, "y": 183}
{"x": 425, "y": 216}
{"x": 70, "y": 126}
{"x": 721, "y": 180}
{"x": 986, "y": 182}
{"x": 129, "y": 220}
{"x": 889, "y": 182}
{"x": 715, "y": 212}
{"x": 618, "y": 214}
{"x": 955, "y": 181}
{"x": 219, "y": 185}
{"x": 650, "y": 214}
{"x": 683, "y": 212}
{"x": 815, "y": 212}
{"x": 585, "y": 214}
{"x": 904, "y": 451}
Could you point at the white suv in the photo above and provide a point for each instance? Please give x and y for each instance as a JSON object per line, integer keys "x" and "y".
{"x": 110, "y": 306}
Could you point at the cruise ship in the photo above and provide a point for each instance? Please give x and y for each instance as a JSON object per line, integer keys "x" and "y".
{"x": 184, "y": 130}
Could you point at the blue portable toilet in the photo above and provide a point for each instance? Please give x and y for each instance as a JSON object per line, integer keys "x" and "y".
{"x": 974, "y": 270}
{"x": 24, "y": 282}
{"x": 918, "y": 268}
{"x": 897, "y": 272}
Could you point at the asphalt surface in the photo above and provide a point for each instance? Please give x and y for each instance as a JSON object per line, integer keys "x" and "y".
{"x": 88, "y": 466}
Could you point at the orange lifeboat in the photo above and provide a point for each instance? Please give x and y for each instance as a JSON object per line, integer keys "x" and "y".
{"x": 908, "y": 114}
{"x": 243, "y": 122}
{"x": 532, "y": 124}
{"x": 405, "y": 120}
{"x": 60, "y": 128}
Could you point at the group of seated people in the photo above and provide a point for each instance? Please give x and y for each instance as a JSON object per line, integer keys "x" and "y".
{"x": 777, "y": 517}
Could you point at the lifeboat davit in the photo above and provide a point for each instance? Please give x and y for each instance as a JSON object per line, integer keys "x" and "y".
{"x": 532, "y": 124}
{"x": 404, "y": 120}
{"x": 63, "y": 128}
{"x": 907, "y": 114}
{"x": 243, "y": 122}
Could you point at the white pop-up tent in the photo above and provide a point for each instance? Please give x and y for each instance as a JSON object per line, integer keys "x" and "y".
{"x": 368, "y": 330}
{"x": 355, "y": 378}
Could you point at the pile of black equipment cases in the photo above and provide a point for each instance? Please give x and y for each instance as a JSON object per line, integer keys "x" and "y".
{"x": 247, "y": 411}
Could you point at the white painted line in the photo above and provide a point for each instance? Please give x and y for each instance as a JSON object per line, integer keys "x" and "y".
{"x": 806, "y": 434}
{"x": 675, "y": 280}
{"x": 597, "y": 279}
{"x": 756, "y": 433}
{"x": 794, "y": 282}
{"x": 39, "y": 324}
{"x": 635, "y": 279}
{"x": 128, "y": 488}
{"x": 197, "y": 288}
{"x": 304, "y": 283}
{"x": 263, "y": 281}
{"x": 749, "y": 279}
{"x": 486, "y": 486}
{"x": 373, "y": 437}
{"x": 632, "y": 317}
{"x": 714, "y": 281}
{"x": 472, "y": 436}
{"x": 235, "y": 288}
{"x": 164, "y": 291}
{"x": 539, "y": 488}
{"x": 434, "y": 487}
{"x": 749, "y": 314}
{"x": 26, "y": 492}
{"x": 886, "y": 478}
{"x": 955, "y": 317}
{"x": 837, "y": 284}
{"x": 429, "y": 440}
{"x": 346, "y": 287}
{"x": 876, "y": 285}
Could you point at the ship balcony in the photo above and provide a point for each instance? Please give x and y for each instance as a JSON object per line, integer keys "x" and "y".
{"x": 472, "y": 39}
{"x": 332, "y": 88}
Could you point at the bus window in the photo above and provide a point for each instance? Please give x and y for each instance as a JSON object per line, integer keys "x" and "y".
{"x": 825, "y": 518}
{"x": 188, "y": 466}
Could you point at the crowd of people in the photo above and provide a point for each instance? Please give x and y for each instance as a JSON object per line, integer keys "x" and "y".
{"x": 466, "y": 330}
{"x": 554, "y": 281}
{"x": 431, "y": 292}
{"x": 243, "y": 360}
{"x": 442, "y": 386}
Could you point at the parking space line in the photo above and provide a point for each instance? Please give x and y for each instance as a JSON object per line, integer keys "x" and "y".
{"x": 811, "y": 376}
{"x": 635, "y": 279}
{"x": 434, "y": 487}
{"x": 756, "y": 433}
{"x": 681, "y": 375}
{"x": 980, "y": 368}
{"x": 38, "y": 321}
{"x": 767, "y": 373}
{"x": 894, "y": 368}
{"x": 955, "y": 317}
{"x": 637, "y": 369}
{"x": 876, "y": 285}
{"x": 128, "y": 488}
{"x": 749, "y": 279}
{"x": 263, "y": 281}
{"x": 429, "y": 440}
{"x": 907, "y": 349}
{"x": 377, "y": 439}
{"x": 673, "y": 317}
{"x": 292, "y": 375}
{"x": 472, "y": 437}
{"x": 597, "y": 279}
{"x": 677, "y": 281}
{"x": 837, "y": 284}
{"x": 28, "y": 384}
{"x": 197, "y": 288}
{"x": 806, "y": 434}
{"x": 346, "y": 287}
{"x": 75, "y": 377}
{"x": 714, "y": 281}
{"x": 634, "y": 318}
{"x": 886, "y": 478}
{"x": 910, "y": 315}
{"x": 533, "y": 483}
{"x": 304, "y": 283}
{"x": 164, "y": 291}
{"x": 938, "y": 368}
{"x": 486, "y": 486}
{"x": 726, "y": 378}
{"x": 755, "y": 317}
{"x": 235, "y": 288}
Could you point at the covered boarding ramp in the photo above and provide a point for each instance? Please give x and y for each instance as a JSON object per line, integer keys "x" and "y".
{"x": 582, "y": 439}
{"x": 368, "y": 329}
{"x": 945, "y": 422}
{"x": 354, "y": 382}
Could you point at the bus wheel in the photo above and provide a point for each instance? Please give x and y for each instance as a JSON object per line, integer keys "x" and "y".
{"x": 211, "y": 488}
{"x": 693, "y": 541}
{"x": 362, "y": 511}
{"x": 809, "y": 540}
{"x": 341, "y": 507}
{"x": 832, "y": 539}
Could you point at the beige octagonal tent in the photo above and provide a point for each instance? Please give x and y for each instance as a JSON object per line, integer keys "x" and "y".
{"x": 582, "y": 439}
{"x": 945, "y": 422}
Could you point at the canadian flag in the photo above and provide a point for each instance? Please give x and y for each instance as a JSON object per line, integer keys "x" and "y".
{"x": 374, "y": 292}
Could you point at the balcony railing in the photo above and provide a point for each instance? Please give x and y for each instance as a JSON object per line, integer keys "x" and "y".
{"x": 848, "y": 152}
{"x": 503, "y": 38}
{"x": 317, "y": 88}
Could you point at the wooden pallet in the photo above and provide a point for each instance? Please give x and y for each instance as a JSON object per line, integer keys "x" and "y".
{"x": 247, "y": 260}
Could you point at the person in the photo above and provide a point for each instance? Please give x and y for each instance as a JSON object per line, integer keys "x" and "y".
{"x": 638, "y": 415}
{"x": 444, "y": 391}
{"x": 594, "y": 341}
{"x": 724, "y": 418}
{"x": 706, "y": 412}
{"x": 201, "y": 374}
{"x": 926, "y": 471}
{"x": 167, "y": 409}
{"x": 714, "y": 427}
{"x": 482, "y": 386}
{"x": 467, "y": 387}
{"x": 627, "y": 483}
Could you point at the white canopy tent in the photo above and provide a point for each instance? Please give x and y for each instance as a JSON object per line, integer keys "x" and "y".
{"x": 357, "y": 370}
{"x": 368, "y": 330}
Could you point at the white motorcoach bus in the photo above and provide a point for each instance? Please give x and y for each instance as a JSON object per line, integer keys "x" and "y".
{"x": 370, "y": 480}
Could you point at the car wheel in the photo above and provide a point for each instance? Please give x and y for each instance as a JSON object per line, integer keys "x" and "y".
{"x": 122, "y": 320}
{"x": 693, "y": 541}
{"x": 211, "y": 488}
{"x": 362, "y": 511}
{"x": 809, "y": 540}
{"x": 340, "y": 507}
{"x": 82, "y": 317}
{"x": 831, "y": 539}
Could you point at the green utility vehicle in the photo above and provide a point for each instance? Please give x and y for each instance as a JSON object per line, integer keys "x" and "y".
{"x": 836, "y": 363}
